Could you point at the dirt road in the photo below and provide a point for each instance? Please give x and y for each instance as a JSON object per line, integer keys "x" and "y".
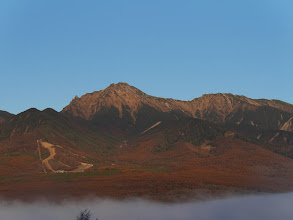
{"x": 52, "y": 154}
{"x": 81, "y": 168}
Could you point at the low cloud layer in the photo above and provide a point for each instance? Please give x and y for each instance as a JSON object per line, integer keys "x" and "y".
{"x": 269, "y": 207}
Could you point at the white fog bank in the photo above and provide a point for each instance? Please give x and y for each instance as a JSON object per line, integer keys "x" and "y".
{"x": 269, "y": 207}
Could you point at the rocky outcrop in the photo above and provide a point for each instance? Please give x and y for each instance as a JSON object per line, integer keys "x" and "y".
{"x": 288, "y": 125}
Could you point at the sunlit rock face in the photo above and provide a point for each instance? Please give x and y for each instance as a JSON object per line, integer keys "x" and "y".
{"x": 126, "y": 102}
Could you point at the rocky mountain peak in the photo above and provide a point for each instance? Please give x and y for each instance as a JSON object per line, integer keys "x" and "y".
{"x": 124, "y": 99}
{"x": 116, "y": 95}
{"x": 121, "y": 88}
{"x": 119, "y": 85}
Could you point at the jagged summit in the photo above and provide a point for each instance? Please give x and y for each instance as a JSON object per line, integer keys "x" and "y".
{"x": 119, "y": 85}
{"x": 116, "y": 95}
{"x": 124, "y": 100}
{"x": 121, "y": 89}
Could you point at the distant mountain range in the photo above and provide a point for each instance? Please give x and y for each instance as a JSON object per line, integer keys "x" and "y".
{"x": 127, "y": 107}
{"x": 217, "y": 140}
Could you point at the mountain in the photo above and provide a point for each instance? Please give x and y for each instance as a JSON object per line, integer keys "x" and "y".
{"x": 122, "y": 142}
{"x": 31, "y": 125}
{"x": 125, "y": 106}
{"x": 4, "y": 116}
{"x": 127, "y": 101}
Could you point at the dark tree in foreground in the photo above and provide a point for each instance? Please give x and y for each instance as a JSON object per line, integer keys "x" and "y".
{"x": 85, "y": 215}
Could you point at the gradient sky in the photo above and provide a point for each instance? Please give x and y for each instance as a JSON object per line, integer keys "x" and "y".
{"x": 51, "y": 51}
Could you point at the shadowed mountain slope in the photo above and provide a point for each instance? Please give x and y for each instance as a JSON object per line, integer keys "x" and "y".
{"x": 22, "y": 131}
{"x": 4, "y": 116}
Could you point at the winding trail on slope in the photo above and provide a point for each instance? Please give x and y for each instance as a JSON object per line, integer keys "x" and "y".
{"x": 52, "y": 154}
{"x": 40, "y": 156}
{"x": 81, "y": 168}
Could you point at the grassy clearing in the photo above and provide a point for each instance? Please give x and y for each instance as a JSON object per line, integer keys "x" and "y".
{"x": 69, "y": 176}
{"x": 166, "y": 160}
{"x": 151, "y": 168}
{"x": 26, "y": 154}
{"x": 16, "y": 179}
{"x": 157, "y": 169}
{"x": 5, "y": 162}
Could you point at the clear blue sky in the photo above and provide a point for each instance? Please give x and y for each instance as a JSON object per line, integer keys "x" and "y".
{"x": 51, "y": 51}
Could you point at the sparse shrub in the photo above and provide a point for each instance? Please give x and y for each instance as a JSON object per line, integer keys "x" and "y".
{"x": 85, "y": 215}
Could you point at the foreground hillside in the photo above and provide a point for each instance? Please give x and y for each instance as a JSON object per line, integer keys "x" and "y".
{"x": 122, "y": 142}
